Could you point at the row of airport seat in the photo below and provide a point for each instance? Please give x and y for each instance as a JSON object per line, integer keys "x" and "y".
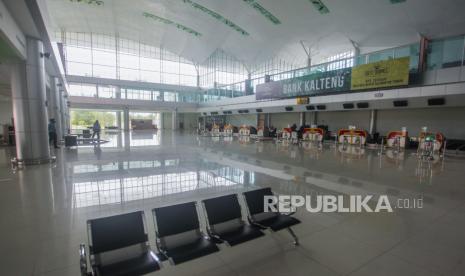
{"x": 119, "y": 245}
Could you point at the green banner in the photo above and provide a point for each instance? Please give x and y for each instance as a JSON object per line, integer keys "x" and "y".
{"x": 309, "y": 85}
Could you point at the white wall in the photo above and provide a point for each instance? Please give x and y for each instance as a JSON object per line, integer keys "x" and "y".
{"x": 242, "y": 119}
{"x": 282, "y": 120}
{"x": 336, "y": 120}
{"x": 450, "y": 121}
{"x": 190, "y": 120}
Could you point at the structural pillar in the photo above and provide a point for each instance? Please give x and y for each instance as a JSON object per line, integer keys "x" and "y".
{"x": 162, "y": 121}
{"x": 63, "y": 112}
{"x": 118, "y": 92}
{"x": 373, "y": 119}
{"x": 356, "y": 52}
{"x": 314, "y": 118}
{"x": 302, "y": 118}
{"x": 56, "y": 106}
{"x": 118, "y": 119}
{"x": 49, "y": 98}
{"x": 126, "y": 119}
{"x": 174, "y": 119}
{"x": 29, "y": 108}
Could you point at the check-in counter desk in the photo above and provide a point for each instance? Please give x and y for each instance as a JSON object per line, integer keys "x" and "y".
{"x": 352, "y": 136}
{"x": 313, "y": 134}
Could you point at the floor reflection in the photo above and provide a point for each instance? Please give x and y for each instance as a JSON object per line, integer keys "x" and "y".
{"x": 104, "y": 183}
{"x": 122, "y": 139}
{"x": 44, "y": 208}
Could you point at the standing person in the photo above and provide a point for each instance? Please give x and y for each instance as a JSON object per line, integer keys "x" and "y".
{"x": 52, "y": 133}
{"x": 96, "y": 130}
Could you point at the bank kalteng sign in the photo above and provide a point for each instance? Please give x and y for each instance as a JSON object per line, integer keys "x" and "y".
{"x": 309, "y": 85}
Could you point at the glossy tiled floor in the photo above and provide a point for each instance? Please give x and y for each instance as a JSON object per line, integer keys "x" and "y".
{"x": 43, "y": 209}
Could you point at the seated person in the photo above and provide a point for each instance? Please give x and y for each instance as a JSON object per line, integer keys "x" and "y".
{"x": 272, "y": 131}
{"x": 253, "y": 130}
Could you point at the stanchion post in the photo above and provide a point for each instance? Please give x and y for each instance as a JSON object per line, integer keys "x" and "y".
{"x": 381, "y": 146}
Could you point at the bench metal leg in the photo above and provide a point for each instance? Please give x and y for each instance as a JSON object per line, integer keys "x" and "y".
{"x": 296, "y": 240}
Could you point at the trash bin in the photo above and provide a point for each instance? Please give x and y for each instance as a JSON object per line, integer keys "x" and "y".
{"x": 70, "y": 140}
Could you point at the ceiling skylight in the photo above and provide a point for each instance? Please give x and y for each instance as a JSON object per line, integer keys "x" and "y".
{"x": 319, "y": 6}
{"x": 169, "y": 22}
{"x": 268, "y": 15}
{"x": 90, "y": 2}
{"x": 217, "y": 16}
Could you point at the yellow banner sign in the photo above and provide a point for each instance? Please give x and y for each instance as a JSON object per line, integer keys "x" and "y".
{"x": 388, "y": 73}
{"x": 302, "y": 100}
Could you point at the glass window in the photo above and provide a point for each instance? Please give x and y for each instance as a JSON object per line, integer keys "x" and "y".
{"x": 169, "y": 78}
{"x": 128, "y": 61}
{"x": 411, "y": 51}
{"x": 79, "y": 69}
{"x": 129, "y": 74}
{"x": 170, "y": 96}
{"x": 106, "y": 92}
{"x": 434, "y": 59}
{"x": 100, "y": 71}
{"x": 382, "y": 55}
{"x": 187, "y": 69}
{"x": 95, "y": 55}
{"x": 170, "y": 67}
{"x": 83, "y": 90}
{"x": 361, "y": 59}
{"x": 452, "y": 52}
{"x": 78, "y": 54}
{"x": 102, "y": 57}
{"x": 150, "y": 76}
{"x": 188, "y": 80}
{"x": 149, "y": 64}
{"x": 156, "y": 96}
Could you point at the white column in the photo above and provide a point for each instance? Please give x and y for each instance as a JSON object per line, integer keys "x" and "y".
{"x": 56, "y": 106}
{"x": 66, "y": 116}
{"x": 29, "y": 110}
{"x": 162, "y": 121}
{"x": 315, "y": 118}
{"x": 64, "y": 127}
{"x": 174, "y": 120}
{"x": 126, "y": 119}
{"x": 302, "y": 118}
{"x": 118, "y": 119}
{"x": 373, "y": 119}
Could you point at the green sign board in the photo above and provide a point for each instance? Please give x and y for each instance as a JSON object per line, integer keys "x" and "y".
{"x": 309, "y": 85}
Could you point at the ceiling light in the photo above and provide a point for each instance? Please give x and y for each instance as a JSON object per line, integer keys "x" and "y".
{"x": 268, "y": 15}
{"x": 319, "y": 6}
{"x": 90, "y": 2}
{"x": 397, "y": 1}
{"x": 217, "y": 16}
{"x": 169, "y": 22}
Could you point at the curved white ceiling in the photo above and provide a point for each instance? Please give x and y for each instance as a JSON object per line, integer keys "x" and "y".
{"x": 372, "y": 24}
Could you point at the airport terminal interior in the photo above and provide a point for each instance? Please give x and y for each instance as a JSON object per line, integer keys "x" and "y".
{"x": 246, "y": 137}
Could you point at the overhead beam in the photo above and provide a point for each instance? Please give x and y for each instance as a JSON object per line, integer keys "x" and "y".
{"x": 133, "y": 84}
{"x": 11, "y": 32}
